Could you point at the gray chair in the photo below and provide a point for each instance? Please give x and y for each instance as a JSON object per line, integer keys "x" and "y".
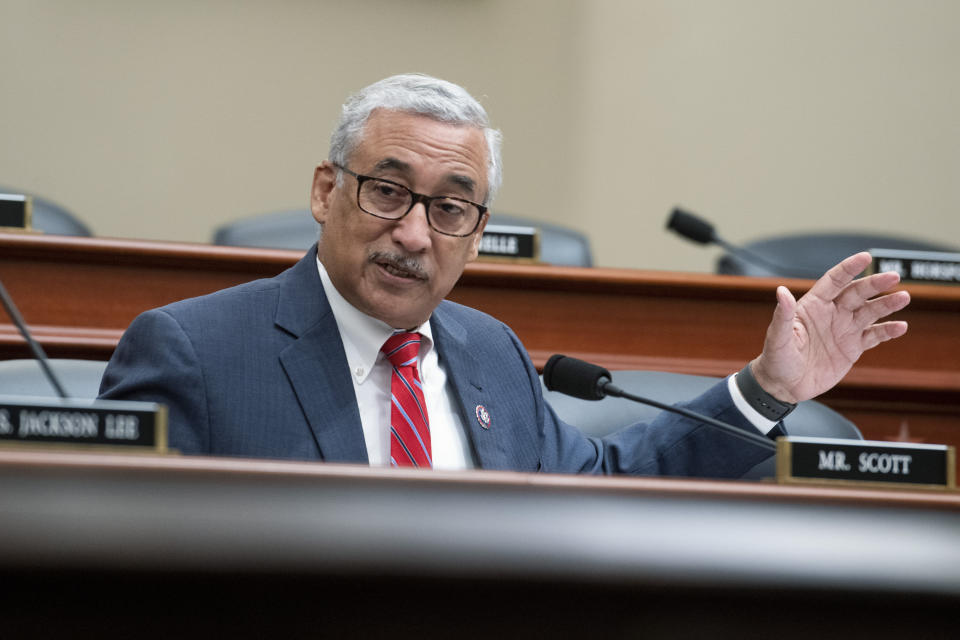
{"x": 296, "y": 229}
{"x": 51, "y": 218}
{"x": 293, "y": 229}
{"x": 810, "y": 255}
{"x": 80, "y": 378}
{"x": 602, "y": 417}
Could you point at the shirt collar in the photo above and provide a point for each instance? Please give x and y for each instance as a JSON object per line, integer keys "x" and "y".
{"x": 363, "y": 335}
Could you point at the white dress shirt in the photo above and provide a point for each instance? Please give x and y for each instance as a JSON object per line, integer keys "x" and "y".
{"x": 756, "y": 419}
{"x": 362, "y": 337}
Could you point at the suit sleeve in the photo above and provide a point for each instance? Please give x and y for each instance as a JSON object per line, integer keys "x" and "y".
{"x": 669, "y": 445}
{"x": 156, "y": 361}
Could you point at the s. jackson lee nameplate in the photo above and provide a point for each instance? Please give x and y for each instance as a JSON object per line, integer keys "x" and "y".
{"x": 842, "y": 461}
{"x": 73, "y": 423}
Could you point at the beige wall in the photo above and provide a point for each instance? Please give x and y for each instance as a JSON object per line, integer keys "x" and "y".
{"x": 163, "y": 120}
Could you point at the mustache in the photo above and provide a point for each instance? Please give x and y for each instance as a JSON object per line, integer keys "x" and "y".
{"x": 399, "y": 261}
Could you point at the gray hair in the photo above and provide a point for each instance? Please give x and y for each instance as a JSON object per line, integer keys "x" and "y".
{"x": 423, "y": 95}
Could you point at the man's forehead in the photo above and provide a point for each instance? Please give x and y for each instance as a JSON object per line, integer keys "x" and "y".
{"x": 403, "y": 143}
{"x": 391, "y": 164}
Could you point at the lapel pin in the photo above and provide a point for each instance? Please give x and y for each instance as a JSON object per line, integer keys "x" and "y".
{"x": 483, "y": 416}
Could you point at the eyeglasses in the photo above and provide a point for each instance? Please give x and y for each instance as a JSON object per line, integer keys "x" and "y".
{"x": 392, "y": 201}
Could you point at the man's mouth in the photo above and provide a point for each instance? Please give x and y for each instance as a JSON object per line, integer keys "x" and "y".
{"x": 399, "y": 266}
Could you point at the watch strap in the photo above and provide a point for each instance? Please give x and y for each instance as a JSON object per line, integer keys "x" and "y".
{"x": 764, "y": 403}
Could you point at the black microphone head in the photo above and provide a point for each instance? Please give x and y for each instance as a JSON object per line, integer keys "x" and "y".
{"x": 575, "y": 378}
{"x": 691, "y": 226}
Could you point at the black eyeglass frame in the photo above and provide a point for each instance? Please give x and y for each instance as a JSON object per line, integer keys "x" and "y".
{"x": 415, "y": 198}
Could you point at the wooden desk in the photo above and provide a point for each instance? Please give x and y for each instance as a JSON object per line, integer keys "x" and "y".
{"x": 138, "y": 546}
{"x": 79, "y": 294}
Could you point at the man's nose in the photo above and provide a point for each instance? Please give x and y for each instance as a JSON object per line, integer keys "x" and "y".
{"x": 413, "y": 231}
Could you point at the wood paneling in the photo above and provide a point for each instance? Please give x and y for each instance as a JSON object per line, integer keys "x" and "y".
{"x": 78, "y": 295}
{"x": 139, "y": 546}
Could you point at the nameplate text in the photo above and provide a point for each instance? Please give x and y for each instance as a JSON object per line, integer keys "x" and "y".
{"x": 510, "y": 242}
{"x": 33, "y": 421}
{"x": 863, "y": 461}
{"x": 934, "y": 267}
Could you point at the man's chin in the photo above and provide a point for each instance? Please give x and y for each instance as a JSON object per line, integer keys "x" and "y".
{"x": 402, "y": 311}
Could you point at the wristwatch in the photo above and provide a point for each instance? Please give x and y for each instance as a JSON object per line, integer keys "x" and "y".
{"x": 764, "y": 403}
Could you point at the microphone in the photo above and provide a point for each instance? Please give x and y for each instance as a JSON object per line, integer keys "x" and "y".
{"x": 35, "y": 420}
{"x": 577, "y": 378}
{"x": 587, "y": 381}
{"x": 38, "y": 353}
{"x": 694, "y": 228}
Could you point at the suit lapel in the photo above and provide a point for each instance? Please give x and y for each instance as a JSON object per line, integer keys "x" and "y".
{"x": 464, "y": 374}
{"x": 316, "y": 365}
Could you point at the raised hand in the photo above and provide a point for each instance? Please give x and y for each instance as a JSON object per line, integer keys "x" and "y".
{"x": 811, "y": 343}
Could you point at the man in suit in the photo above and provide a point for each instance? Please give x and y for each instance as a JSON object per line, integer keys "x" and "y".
{"x": 297, "y": 366}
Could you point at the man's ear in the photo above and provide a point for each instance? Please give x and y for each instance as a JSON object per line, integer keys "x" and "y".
{"x": 475, "y": 238}
{"x": 324, "y": 182}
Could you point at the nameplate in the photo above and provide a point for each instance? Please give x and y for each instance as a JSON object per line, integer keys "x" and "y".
{"x": 935, "y": 267}
{"x": 88, "y": 424}
{"x": 511, "y": 243}
{"x": 15, "y": 210}
{"x": 829, "y": 460}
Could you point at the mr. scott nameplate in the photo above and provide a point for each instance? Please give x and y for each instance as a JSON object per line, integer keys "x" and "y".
{"x": 74, "y": 423}
{"x": 864, "y": 461}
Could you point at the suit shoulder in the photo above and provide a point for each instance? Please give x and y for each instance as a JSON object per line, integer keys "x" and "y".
{"x": 468, "y": 316}
{"x": 231, "y": 297}
{"x": 303, "y": 272}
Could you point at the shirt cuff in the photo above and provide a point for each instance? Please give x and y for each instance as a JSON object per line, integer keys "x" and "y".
{"x": 763, "y": 425}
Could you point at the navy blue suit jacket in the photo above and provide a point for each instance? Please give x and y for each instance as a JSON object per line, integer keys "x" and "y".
{"x": 259, "y": 370}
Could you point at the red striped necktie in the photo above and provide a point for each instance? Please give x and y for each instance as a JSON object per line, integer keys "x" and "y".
{"x": 409, "y": 424}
